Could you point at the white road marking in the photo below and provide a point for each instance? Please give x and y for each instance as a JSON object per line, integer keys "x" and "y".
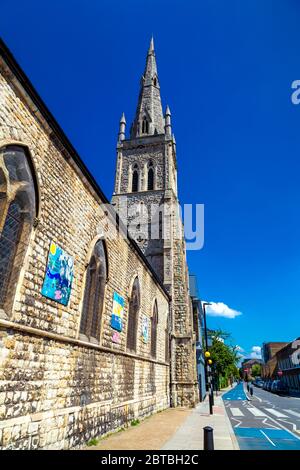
{"x": 288, "y": 422}
{"x": 256, "y": 412}
{"x": 276, "y": 413}
{"x": 267, "y": 437}
{"x": 259, "y": 399}
{"x": 236, "y": 412}
{"x": 292, "y": 412}
{"x": 283, "y": 427}
{"x": 238, "y": 421}
{"x": 268, "y": 424}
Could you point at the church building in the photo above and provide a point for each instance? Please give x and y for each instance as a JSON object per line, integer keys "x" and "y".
{"x": 146, "y": 196}
{"x": 96, "y": 322}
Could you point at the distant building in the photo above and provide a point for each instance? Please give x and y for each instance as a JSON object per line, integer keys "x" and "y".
{"x": 288, "y": 365}
{"x": 198, "y": 321}
{"x": 269, "y": 350}
{"x": 248, "y": 364}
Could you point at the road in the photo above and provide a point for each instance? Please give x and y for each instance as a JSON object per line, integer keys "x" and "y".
{"x": 266, "y": 421}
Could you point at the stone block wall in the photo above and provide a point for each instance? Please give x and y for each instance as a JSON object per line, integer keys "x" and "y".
{"x": 57, "y": 391}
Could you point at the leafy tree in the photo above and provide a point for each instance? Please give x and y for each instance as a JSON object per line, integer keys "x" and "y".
{"x": 256, "y": 370}
{"x": 224, "y": 356}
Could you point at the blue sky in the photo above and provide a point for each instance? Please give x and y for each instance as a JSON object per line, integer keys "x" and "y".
{"x": 225, "y": 69}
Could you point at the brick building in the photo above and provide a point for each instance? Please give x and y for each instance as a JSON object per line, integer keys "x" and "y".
{"x": 269, "y": 349}
{"x": 86, "y": 314}
{"x": 247, "y": 365}
{"x": 269, "y": 354}
{"x": 288, "y": 365}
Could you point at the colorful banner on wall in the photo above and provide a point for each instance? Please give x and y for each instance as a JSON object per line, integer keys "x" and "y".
{"x": 145, "y": 329}
{"x": 116, "y": 337}
{"x": 59, "y": 275}
{"x": 117, "y": 313}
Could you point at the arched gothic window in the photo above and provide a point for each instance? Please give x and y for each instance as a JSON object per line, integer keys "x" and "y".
{"x": 154, "y": 322}
{"x": 150, "y": 177}
{"x": 18, "y": 204}
{"x": 135, "y": 179}
{"x": 93, "y": 301}
{"x": 133, "y": 310}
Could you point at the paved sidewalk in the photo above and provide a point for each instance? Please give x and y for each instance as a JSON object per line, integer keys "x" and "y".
{"x": 175, "y": 429}
{"x": 150, "y": 434}
{"x": 190, "y": 435}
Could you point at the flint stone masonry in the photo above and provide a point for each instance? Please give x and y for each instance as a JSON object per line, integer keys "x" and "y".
{"x": 167, "y": 255}
{"x": 56, "y": 391}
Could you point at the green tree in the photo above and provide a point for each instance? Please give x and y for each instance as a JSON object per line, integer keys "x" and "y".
{"x": 224, "y": 357}
{"x": 256, "y": 370}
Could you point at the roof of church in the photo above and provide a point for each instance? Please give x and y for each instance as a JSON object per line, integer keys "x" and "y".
{"x": 24, "y": 81}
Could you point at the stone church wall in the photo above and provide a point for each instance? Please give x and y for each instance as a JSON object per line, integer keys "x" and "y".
{"x": 57, "y": 391}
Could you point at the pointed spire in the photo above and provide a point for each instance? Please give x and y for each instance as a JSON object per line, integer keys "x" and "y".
{"x": 149, "y": 117}
{"x": 121, "y": 135}
{"x": 151, "y": 47}
{"x": 168, "y": 128}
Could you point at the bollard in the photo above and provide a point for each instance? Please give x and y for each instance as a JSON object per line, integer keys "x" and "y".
{"x": 210, "y": 403}
{"x": 208, "y": 438}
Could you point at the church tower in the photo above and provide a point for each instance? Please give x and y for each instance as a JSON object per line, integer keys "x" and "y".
{"x": 145, "y": 196}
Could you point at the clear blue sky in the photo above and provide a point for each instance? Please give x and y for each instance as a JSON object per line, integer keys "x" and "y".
{"x": 225, "y": 69}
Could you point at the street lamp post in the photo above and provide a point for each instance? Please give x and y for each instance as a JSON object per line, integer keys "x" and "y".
{"x": 205, "y": 328}
{"x": 206, "y": 342}
{"x": 208, "y": 363}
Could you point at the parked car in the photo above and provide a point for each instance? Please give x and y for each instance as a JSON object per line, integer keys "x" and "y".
{"x": 258, "y": 382}
{"x": 279, "y": 387}
{"x": 267, "y": 385}
{"x": 264, "y": 385}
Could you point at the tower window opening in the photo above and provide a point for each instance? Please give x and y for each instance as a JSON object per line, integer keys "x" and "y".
{"x": 135, "y": 179}
{"x": 150, "y": 176}
{"x": 145, "y": 126}
{"x": 150, "y": 179}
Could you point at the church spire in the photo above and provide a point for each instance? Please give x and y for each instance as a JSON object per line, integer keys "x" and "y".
{"x": 149, "y": 118}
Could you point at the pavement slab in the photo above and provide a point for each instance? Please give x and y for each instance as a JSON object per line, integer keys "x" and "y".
{"x": 150, "y": 434}
{"x": 175, "y": 429}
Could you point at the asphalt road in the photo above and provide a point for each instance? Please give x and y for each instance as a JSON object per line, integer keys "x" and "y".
{"x": 266, "y": 421}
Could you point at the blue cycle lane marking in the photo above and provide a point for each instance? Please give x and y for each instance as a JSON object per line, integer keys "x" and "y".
{"x": 266, "y": 439}
{"x": 259, "y": 438}
{"x": 237, "y": 393}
